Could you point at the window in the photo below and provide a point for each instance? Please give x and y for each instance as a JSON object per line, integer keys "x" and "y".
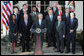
{"x": 62, "y": 3}
{"x": 44, "y": 4}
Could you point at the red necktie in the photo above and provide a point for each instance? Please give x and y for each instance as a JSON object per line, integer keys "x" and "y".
{"x": 60, "y": 13}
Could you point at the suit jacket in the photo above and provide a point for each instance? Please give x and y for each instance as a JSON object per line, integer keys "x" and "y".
{"x": 41, "y": 11}
{"x": 55, "y": 11}
{"x": 17, "y": 20}
{"x": 50, "y": 25}
{"x": 63, "y": 14}
{"x": 34, "y": 17}
{"x": 23, "y": 29}
{"x": 67, "y": 19}
{"x": 73, "y": 26}
{"x": 36, "y": 25}
{"x": 28, "y": 11}
{"x": 61, "y": 29}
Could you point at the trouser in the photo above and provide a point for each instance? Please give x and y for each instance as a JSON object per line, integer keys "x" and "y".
{"x": 71, "y": 38}
{"x": 60, "y": 43}
{"x": 50, "y": 38}
{"x": 54, "y": 41}
{"x": 25, "y": 45}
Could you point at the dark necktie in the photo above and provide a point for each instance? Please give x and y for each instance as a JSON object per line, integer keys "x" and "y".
{"x": 71, "y": 21}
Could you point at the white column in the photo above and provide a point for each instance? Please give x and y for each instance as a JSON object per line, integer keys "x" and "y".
{"x": 66, "y": 4}
{"x": 79, "y": 13}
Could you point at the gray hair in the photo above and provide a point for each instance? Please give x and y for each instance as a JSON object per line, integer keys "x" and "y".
{"x": 40, "y": 14}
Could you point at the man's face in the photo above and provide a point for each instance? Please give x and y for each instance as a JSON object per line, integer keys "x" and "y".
{"x": 50, "y": 12}
{"x": 67, "y": 10}
{"x": 55, "y": 4}
{"x": 39, "y": 5}
{"x": 59, "y": 18}
{"x": 15, "y": 10}
{"x": 34, "y": 9}
{"x": 72, "y": 15}
{"x": 59, "y": 7}
{"x": 40, "y": 16}
{"x": 24, "y": 7}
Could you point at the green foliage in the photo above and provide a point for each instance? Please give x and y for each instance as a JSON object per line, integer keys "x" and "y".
{"x": 15, "y": 2}
{"x": 63, "y": 4}
{"x": 5, "y": 39}
{"x": 80, "y": 39}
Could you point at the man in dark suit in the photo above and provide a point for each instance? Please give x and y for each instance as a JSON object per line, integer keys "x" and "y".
{"x": 39, "y": 23}
{"x": 50, "y": 21}
{"x": 54, "y": 8}
{"x": 34, "y": 14}
{"x": 60, "y": 12}
{"x": 72, "y": 26}
{"x": 28, "y": 8}
{"x": 25, "y": 6}
{"x": 67, "y": 18}
{"x": 40, "y": 9}
{"x": 60, "y": 34}
{"x": 25, "y": 25}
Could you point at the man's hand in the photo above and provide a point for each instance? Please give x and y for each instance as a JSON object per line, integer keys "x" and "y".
{"x": 20, "y": 34}
{"x": 63, "y": 36}
{"x": 14, "y": 34}
{"x": 71, "y": 31}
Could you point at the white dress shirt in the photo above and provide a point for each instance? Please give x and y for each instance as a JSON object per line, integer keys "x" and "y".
{"x": 40, "y": 21}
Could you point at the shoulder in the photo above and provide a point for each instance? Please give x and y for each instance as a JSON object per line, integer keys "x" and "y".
{"x": 56, "y": 22}
{"x": 63, "y": 21}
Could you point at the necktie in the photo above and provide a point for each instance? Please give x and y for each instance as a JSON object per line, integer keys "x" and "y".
{"x": 60, "y": 13}
{"x": 40, "y": 22}
{"x": 51, "y": 17}
{"x": 71, "y": 21}
{"x": 58, "y": 23}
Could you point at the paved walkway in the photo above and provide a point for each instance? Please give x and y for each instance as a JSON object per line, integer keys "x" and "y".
{"x": 46, "y": 51}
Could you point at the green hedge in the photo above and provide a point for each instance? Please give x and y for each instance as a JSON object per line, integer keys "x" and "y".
{"x": 5, "y": 39}
{"x": 80, "y": 39}
{"x": 15, "y": 2}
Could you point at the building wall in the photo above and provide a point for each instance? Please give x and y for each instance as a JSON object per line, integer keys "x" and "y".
{"x": 79, "y": 13}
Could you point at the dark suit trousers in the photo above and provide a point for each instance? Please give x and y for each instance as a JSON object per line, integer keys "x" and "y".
{"x": 71, "y": 38}
{"x": 60, "y": 43}
{"x": 50, "y": 38}
{"x": 25, "y": 44}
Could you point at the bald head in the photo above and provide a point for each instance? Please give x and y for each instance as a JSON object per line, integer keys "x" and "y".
{"x": 59, "y": 18}
{"x": 40, "y": 16}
